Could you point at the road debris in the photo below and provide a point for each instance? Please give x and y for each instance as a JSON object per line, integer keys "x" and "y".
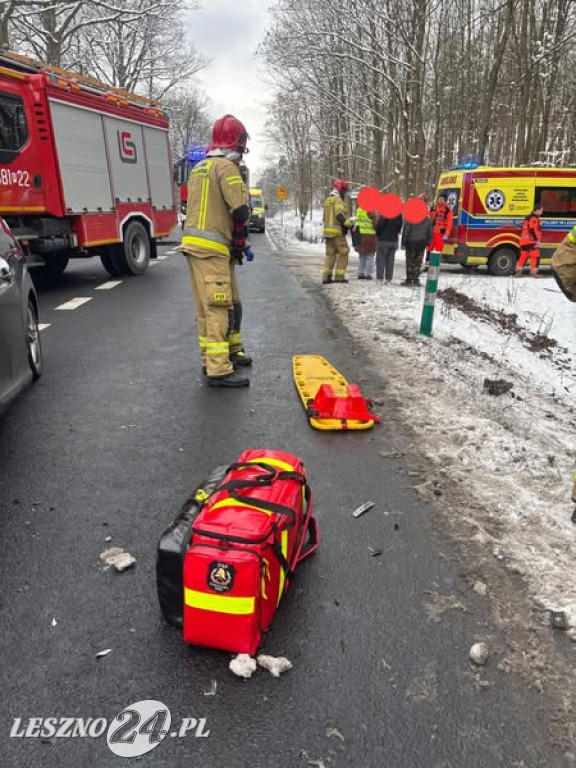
{"x": 211, "y": 691}
{"x": 375, "y": 552}
{"x": 363, "y": 508}
{"x": 335, "y": 732}
{"x": 479, "y": 654}
{"x": 103, "y": 653}
{"x": 317, "y": 763}
{"x": 243, "y": 665}
{"x": 497, "y": 386}
{"x": 479, "y": 587}
{"x": 276, "y": 665}
{"x": 115, "y": 557}
{"x": 108, "y": 538}
{"x": 54, "y": 622}
{"x": 558, "y": 619}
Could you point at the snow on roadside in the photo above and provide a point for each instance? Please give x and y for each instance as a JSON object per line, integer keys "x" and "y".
{"x": 510, "y": 457}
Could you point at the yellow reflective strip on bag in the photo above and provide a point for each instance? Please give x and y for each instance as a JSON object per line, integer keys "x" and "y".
{"x": 233, "y": 503}
{"x": 201, "y": 242}
{"x": 239, "y": 606}
{"x": 273, "y": 462}
{"x": 284, "y": 548}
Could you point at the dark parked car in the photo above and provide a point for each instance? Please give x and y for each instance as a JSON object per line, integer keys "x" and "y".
{"x": 20, "y": 351}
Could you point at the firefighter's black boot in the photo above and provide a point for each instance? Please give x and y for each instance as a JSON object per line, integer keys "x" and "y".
{"x": 232, "y": 380}
{"x": 240, "y": 359}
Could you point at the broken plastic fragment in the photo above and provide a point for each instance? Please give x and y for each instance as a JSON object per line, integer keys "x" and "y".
{"x": 103, "y": 653}
{"x": 363, "y": 508}
{"x": 335, "y": 732}
{"x": 276, "y": 665}
{"x": 211, "y": 691}
{"x": 243, "y": 665}
{"x": 558, "y": 620}
{"x": 54, "y": 622}
{"x": 115, "y": 557}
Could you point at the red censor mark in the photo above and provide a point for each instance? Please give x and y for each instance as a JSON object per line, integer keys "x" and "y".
{"x": 390, "y": 205}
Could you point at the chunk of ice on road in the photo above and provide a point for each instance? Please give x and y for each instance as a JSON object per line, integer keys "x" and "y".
{"x": 243, "y": 665}
{"x": 276, "y": 665}
{"x": 115, "y": 557}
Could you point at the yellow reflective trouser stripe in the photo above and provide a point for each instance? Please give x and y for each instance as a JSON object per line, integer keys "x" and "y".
{"x": 216, "y": 347}
{"x": 201, "y": 242}
{"x": 235, "y": 337}
{"x": 202, "y": 341}
{"x": 284, "y": 547}
{"x": 273, "y": 462}
{"x": 233, "y": 503}
{"x": 572, "y": 235}
{"x": 240, "y": 606}
{"x": 332, "y": 231}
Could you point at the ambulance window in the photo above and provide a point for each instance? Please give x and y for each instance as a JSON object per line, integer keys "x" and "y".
{"x": 556, "y": 201}
{"x": 451, "y": 196}
{"x": 13, "y": 128}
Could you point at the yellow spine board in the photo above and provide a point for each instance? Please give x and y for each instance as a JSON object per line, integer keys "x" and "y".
{"x": 310, "y": 372}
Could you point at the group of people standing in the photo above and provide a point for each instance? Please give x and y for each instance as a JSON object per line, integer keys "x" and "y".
{"x": 375, "y": 238}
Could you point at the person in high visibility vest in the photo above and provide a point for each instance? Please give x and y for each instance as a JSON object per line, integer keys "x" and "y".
{"x": 442, "y": 220}
{"x": 564, "y": 266}
{"x": 336, "y": 225}
{"x": 530, "y": 242}
{"x": 367, "y": 244}
{"x": 214, "y": 240}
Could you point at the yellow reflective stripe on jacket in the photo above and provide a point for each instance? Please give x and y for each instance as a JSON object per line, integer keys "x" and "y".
{"x": 284, "y": 548}
{"x": 204, "y": 195}
{"x": 273, "y": 463}
{"x": 239, "y": 606}
{"x": 230, "y": 502}
{"x": 572, "y": 235}
{"x": 202, "y": 242}
{"x": 234, "y": 180}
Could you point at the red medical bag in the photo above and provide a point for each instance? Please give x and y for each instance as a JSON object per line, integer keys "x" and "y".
{"x": 246, "y": 541}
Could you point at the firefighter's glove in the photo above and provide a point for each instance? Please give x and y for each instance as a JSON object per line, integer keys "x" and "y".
{"x": 236, "y": 255}
{"x": 238, "y": 238}
{"x": 249, "y": 253}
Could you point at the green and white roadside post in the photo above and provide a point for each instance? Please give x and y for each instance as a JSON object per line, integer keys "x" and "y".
{"x": 430, "y": 294}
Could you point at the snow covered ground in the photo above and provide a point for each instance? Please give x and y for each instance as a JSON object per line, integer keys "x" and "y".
{"x": 510, "y": 457}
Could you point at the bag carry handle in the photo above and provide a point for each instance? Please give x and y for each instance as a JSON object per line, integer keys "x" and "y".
{"x": 265, "y": 506}
{"x": 272, "y": 474}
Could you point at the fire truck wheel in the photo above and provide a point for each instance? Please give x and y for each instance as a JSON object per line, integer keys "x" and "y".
{"x": 56, "y": 263}
{"x": 135, "y": 255}
{"x": 503, "y": 262}
{"x": 110, "y": 260}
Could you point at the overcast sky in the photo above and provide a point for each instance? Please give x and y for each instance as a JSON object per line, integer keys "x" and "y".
{"x": 228, "y": 32}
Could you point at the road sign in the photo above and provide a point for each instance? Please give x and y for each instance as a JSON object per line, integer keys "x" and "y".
{"x": 281, "y": 193}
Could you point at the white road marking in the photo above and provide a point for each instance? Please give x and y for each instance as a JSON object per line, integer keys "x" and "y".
{"x": 75, "y": 303}
{"x": 108, "y": 285}
{"x": 43, "y": 326}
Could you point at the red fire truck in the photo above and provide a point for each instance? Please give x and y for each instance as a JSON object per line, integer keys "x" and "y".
{"x": 85, "y": 169}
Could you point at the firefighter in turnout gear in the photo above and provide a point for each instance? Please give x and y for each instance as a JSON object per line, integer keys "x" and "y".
{"x": 336, "y": 225}
{"x": 564, "y": 269}
{"x": 214, "y": 240}
{"x": 530, "y": 242}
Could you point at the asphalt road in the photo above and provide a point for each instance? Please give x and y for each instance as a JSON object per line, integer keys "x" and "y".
{"x": 110, "y": 441}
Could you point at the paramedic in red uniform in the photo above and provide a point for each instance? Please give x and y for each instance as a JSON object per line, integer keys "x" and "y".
{"x": 530, "y": 242}
{"x": 442, "y": 218}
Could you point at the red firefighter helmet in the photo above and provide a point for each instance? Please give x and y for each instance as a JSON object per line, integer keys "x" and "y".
{"x": 340, "y": 185}
{"x": 229, "y": 133}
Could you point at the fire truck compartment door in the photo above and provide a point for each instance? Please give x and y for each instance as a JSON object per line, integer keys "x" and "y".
{"x": 158, "y": 155}
{"x": 81, "y": 148}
